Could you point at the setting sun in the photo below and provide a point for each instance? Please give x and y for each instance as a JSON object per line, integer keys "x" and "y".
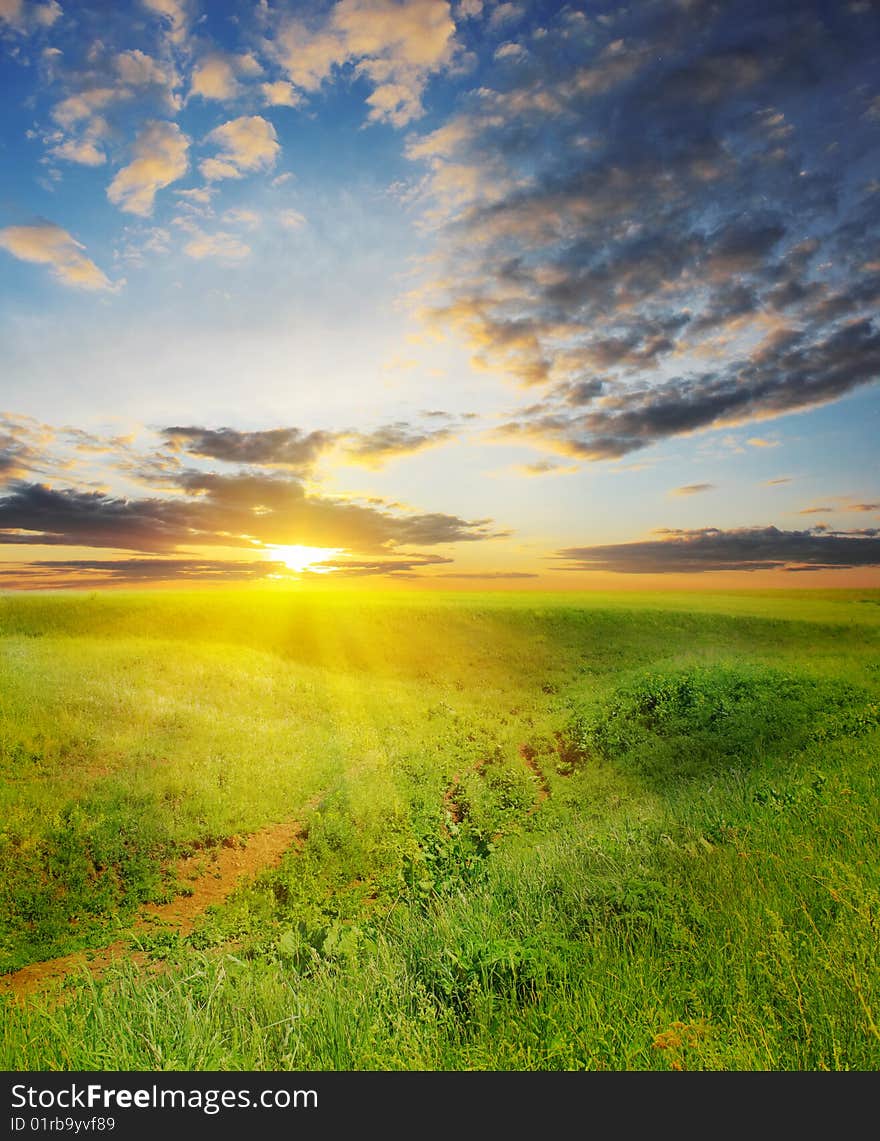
{"x": 305, "y": 558}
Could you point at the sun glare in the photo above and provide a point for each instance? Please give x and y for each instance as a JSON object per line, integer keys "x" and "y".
{"x": 305, "y": 558}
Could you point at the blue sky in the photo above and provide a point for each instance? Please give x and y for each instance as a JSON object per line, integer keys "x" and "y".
{"x": 440, "y": 294}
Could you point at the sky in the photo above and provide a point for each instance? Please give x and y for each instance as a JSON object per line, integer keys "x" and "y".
{"x": 462, "y": 295}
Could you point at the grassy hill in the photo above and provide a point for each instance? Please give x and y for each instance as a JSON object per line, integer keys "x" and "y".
{"x": 536, "y": 831}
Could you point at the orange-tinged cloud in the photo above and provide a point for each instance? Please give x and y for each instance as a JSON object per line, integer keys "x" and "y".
{"x": 175, "y": 16}
{"x": 280, "y": 94}
{"x": 221, "y": 245}
{"x": 246, "y": 144}
{"x": 395, "y": 45}
{"x": 160, "y": 159}
{"x": 47, "y": 244}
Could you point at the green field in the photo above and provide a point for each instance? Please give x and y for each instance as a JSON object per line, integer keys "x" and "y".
{"x": 540, "y": 831}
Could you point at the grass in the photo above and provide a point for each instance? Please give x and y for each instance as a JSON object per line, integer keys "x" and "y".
{"x": 543, "y": 832}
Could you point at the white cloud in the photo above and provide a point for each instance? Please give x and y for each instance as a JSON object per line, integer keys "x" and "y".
{"x": 26, "y": 17}
{"x": 12, "y": 12}
{"x": 44, "y": 243}
{"x": 214, "y": 78}
{"x": 280, "y": 94}
{"x": 291, "y": 219}
{"x": 160, "y": 158}
{"x": 138, "y": 69}
{"x": 47, "y": 14}
{"x": 396, "y": 46}
{"x": 245, "y": 145}
{"x": 198, "y": 194}
{"x": 216, "y": 75}
{"x": 83, "y": 151}
{"x": 223, "y": 246}
{"x": 83, "y": 105}
{"x": 241, "y": 216}
{"x": 506, "y": 14}
{"x": 511, "y": 50}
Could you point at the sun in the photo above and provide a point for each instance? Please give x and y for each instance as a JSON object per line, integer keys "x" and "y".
{"x": 304, "y": 558}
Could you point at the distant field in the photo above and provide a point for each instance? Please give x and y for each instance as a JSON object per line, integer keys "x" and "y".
{"x": 518, "y": 831}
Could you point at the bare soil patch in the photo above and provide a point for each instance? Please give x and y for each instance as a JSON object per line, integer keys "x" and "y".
{"x": 209, "y": 876}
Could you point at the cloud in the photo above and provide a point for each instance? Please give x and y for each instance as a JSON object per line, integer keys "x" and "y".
{"x": 215, "y": 76}
{"x": 83, "y": 105}
{"x": 545, "y": 467}
{"x": 85, "y": 152}
{"x": 137, "y": 69}
{"x": 27, "y": 17}
{"x": 75, "y": 573}
{"x": 375, "y": 449}
{"x": 241, "y": 216}
{"x": 863, "y": 507}
{"x": 12, "y": 12}
{"x": 238, "y": 510}
{"x": 291, "y": 219}
{"x": 511, "y": 51}
{"x": 220, "y": 245}
{"x": 245, "y": 145}
{"x": 788, "y": 374}
{"x": 20, "y": 446}
{"x": 395, "y": 46}
{"x": 401, "y": 566}
{"x": 275, "y": 447}
{"x": 298, "y": 450}
{"x": 47, "y": 244}
{"x": 174, "y": 15}
{"x": 693, "y": 489}
{"x": 747, "y": 549}
{"x": 281, "y": 94}
{"x": 469, "y": 9}
{"x": 618, "y": 218}
{"x": 160, "y": 158}
{"x": 505, "y": 13}
{"x": 89, "y": 573}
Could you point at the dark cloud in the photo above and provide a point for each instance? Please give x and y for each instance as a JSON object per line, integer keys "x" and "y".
{"x": 108, "y": 572}
{"x": 283, "y": 447}
{"x": 391, "y": 441}
{"x": 401, "y": 565}
{"x": 782, "y": 375}
{"x": 675, "y": 184}
{"x": 14, "y": 458}
{"x": 299, "y": 451}
{"x": 228, "y": 510}
{"x": 749, "y": 549}
{"x": 81, "y": 573}
{"x": 21, "y": 440}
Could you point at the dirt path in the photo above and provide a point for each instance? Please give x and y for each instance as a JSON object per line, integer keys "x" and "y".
{"x": 210, "y": 876}
{"x": 528, "y": 755}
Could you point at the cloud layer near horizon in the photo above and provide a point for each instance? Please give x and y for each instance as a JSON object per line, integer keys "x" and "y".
{"x": 742, "y": 549}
